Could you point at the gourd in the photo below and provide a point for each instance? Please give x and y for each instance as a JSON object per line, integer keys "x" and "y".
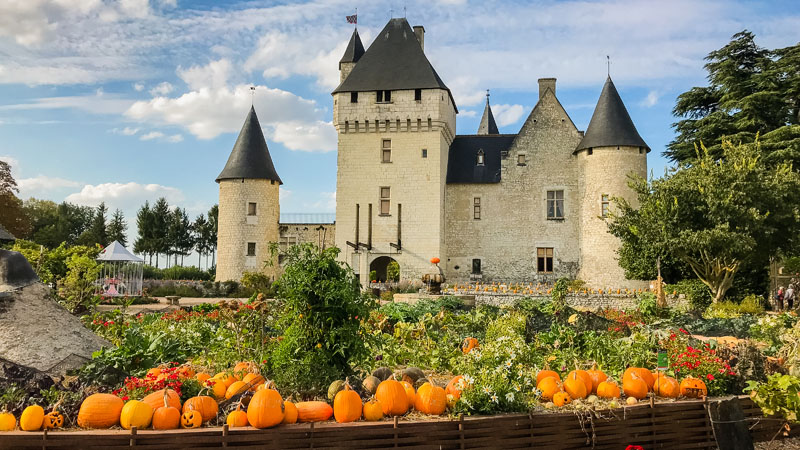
{"x": 205, "y": 405}
{"x": 452, "y": 387}
{"x": 411, "y": 393}
{"x": 667, "y": 387}
{"x": 313, "y": 411}
{"x": 371, "y": 384}
{"x": 216, "y": 387}
{"x": 373, "y": 410}
{"x": 254, "y": 380}
{"x": 561, "y": 399}
{"x": 100, "y": 411}
{"x": 547, "y": 373}
{"x": 237, "y": 417}
{"x": 382, "y": 373}
{"x": 347, "y": 406}
{"x": 137, "y": 414}
{"x": 392, "y": 397}
{"x": 334, "y": 389}
{"x": 167, "y": 416}
{"x": 608, "y": 389}
{"x": 689, "y": 387}
{"x": 431, "y": 400}
{"x": 156, "y": 399}
{"x": 597, "y": 376}
{"x": 265, "y": 409}
{"x": 635, "y": 387}
{"x": 642, "y": 373}
{"x": 289, "y": 412}
{"x": 584, "y": 377}
{"x": 469, "y": 344}
{"x": 236, "y": 388}
{"x": 32, "y": 418}
{"x": 575, "y": 387}
{"x": 7, "y": 421}
{"x": 549, "y": 386}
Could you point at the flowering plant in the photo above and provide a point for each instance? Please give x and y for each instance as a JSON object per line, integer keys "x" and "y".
{"x": 698, "y": 361}
{"x": 172, "y": 377}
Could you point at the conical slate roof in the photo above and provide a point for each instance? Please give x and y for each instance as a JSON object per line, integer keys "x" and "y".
{"x": 611, "y": 125}
{"x": 250, "y": 158}
{"x": 394, "y": 61}
{"x": 488, "y": 125}
{"x": 354, "y": 50}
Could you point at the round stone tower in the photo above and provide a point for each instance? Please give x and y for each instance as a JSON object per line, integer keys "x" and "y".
{"x": 249, "y": 209}
{"x": 609, "y": 151}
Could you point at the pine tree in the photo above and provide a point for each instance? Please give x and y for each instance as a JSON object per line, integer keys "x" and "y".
{"x": 179, "y": 234}
{"x": 213, "y": 215}
{"x": 117, "y": 228}
{"x": 161, "y": 219}
{"x": 96, "y": 234}
{"x": 200, "y": 235}
{"x": 144, "y": 224}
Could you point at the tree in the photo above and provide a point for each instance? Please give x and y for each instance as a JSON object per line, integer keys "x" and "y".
{"x": 13, "y": 218}
{"x": 213, "y": 216}
{"x": 117, "y": 228}
{"x": 96, "y": 234}
{"x": 161, "y": 216}
{"x": 752, "y": 91}
{"x": 200, "y": 233}
{"x": 715, "y": 215}
{"x": 179, "y": 234}
{"x": 144, "y": 225}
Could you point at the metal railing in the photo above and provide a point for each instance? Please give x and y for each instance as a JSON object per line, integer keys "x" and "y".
{"x": 308, "y": 217}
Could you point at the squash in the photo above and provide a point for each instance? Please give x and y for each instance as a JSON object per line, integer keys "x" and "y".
{"x": 205, "y": 405}
{"x": 546, "y": 373}
{"x": 52, "y": 420}
{"x": 137, "y": 414}
{"x": 689, "y": 387}
{"x": 7, "y": 421}
{"x": 608, "y": 389}
{"x": 254, "y": 380}
{"x": 584, "y": 377}
{"x": 236, "y": 388}
{"x": 226, "y": 378}
{"x": 411, "y": 393}
{"x": 415, "y": 373}
{"x": 202, "y": 377}
{"x": 382, "y": 373}
{"x": 347, "y": 406}
{"x": 549, "y": 386}
{"x": 167, "y": 416}
{"x": 392, "y": 397}
{"x": 431, "y": 400}
{"x": 156, "y": 399}
{"x": 289, "y": 412}
{"x": 314, "y": 411}
{"x": 562, "y": 398}
{"x": 597, "y": 376}
{"x": 643, "y": 374}
{"x": 265, "y": 409}
{"x": 242, "y": 368}
{"x": 334, "y": 389}
{"x": 32, "y": 418}
{"x": 371, "y": 384}
{"x": 469, "y": 344}
{"x": 237, "y": 418}
{"x": 216, "y": 387}
{"x": 575, "y": 387}
{"x": 100, "y": 411}
{"x": 452, "y": 387}
{"x": 191, "y": 419}
{"x": 373, "y": 411}
{"x": 635, "y": 387}
{"x": 667, "y": 387}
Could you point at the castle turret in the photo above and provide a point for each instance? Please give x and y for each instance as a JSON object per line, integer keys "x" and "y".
{"x": 395, "y": 119}
{"x": 353, "y": 52}
{"x": 488, "y": 125}
{"x": 249, "y": 210}
{"x": 610, "y": 150}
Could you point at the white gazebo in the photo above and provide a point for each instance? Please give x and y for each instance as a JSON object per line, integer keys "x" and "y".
{"x": 122, "y": 272}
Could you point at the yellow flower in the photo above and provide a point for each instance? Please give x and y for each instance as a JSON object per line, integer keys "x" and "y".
{"x": 319, "y": 345}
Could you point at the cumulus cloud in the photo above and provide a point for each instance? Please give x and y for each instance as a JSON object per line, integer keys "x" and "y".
{"x": 125, "y": 196}
{"x": 161, "y": 136}
{"x": 127, "y": 131}
{"x": 651, "y": 99}
{"x": 213, "y": 75}
{"x": 507, "y": 114}
{"x": 163, "y": 88}
{"x": 38, "y": 185}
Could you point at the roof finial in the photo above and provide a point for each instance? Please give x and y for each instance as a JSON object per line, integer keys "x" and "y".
{"x": 252, "y": 95}
{"x": 608, "y": 65}
{"x": 487, "y": 96}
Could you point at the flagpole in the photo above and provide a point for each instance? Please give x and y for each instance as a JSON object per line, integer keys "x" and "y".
{"x": 356, "y": 24}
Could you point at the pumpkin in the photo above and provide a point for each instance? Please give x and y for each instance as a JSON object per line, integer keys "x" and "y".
{"x": 347, "y": 406}
{"x": 226, "y": 378}
{"x": 415, "y": 373}
{"x": 166, "y": 416}
{"x": 202, "y": 377}
{"x": 371, "y": 384}
{"x": 435, "y": 260}
{"x": 597, "y": 376}
{"x": 7, "y": 421}
{"x": 643, "y": 374}
{"x": 32, "y": 418}
{"x": 631, "y": 401}
{"x": 236, "y": 388}
{"x": 689, "y": 387}
{"x": 216, "y": 387}
{"x": 186, "y": 371}
{"x": 393, "y": 398}
{"x": 549, "y": 386}
{"x": 265, "y": 409}
{"x": 334, "y": 389}
{"x": 254, "y": 380}
{"x": 382, "y": 373}
{"x": 452, "y": 387}
{"x": 156, "y": 399}
{"x": 237, "y": 418}
{"x": 575, "y": 387}
{"x": 289, "y": 412}
{"x": 314, "y": 411}
{"x": 153, "y": 373}
{"x": 52, "y": 420}
{"x": 137, "y": 414}
{"x": 584, "y": 377}
{"x": 562, "y": 398}
{"x": 546, "y": 373}
{"x": 191, "y": 419}
{"x": 635, "y": 387}
{"x": 100, "y": 411}
{"x": 411, "y": 393}
{"x": 242, "y": 368}
{"x": 667, "y": 387}
{"x": 469, "y": 344}
{"x": 205, "y": 405}
{"x": 373, "y": 411}
{"x": 608, "y": 389}
{"x": 431, "y": 400}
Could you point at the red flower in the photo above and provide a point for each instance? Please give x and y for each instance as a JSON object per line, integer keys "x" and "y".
{"x": 710, "y": 377}
{"x": 683, "y": 331}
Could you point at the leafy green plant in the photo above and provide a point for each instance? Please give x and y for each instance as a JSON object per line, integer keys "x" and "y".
{"x": 78, "y": 287}
{"x": 778, "y": 396}
{"x": 258, "y": 281}
{"x": 393, "y": 271}
{"x": 559, "y": 293}
{"x": 697, "y": 293}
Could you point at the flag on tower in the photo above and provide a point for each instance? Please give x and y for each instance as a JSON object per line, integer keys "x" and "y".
{"x": 352, "y": 19}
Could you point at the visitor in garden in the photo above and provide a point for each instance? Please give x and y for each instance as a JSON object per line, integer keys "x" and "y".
{"x": 779, "y": 299}
{"x": 789, "y": 297}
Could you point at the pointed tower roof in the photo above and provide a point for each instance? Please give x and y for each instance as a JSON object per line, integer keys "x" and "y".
{"x": 354, "y": 50}
{"x": 394, "y": 61}
{"x": 488, "y": 125}
{"x": 250, "y": 155}
{"x": 611, "y": 125}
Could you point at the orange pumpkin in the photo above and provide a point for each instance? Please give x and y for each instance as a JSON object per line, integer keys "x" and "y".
{"x": 435, "y": 260}
{"x": 411, "y": 393}
{"x": 549, "y": 386}
{"x": 562, "y": 398}
{"x": 469, "y": 344}
{"x": 216, "y": 387}
{"x": 373, "y": 411}
{"x": 32, "y": 418}
{"x": 452, "y": 387}
{"x": 547, "y": 373}
{"x": 254, "y": 380}
{"x": 584, "y": 377}
{"x": 166, "y": 416}
{"x": 289, "y": 412}
{"x": 243, "y": 367}
{"x": 156, "y": 399}
{"x": 634, "y": 387}
{"x": 608, "y": 389}
{"x": 226, "y": 378}
{"x": 666, "y": 387}
{"x": 7, "y": 421}
{"x": 642, "y": 373}
{"x": 100, "y": 411}
{"x": 236, "y": 388}
{"x": 265, "y": 409}
{"x": 237, "y": 418}
{"x": 392, "y": 397}
{"x": 313, "y": 411}
{"x": 431, "y": 400}
{"x": 191, "y": 419}
{"x": 347, "y": 405}
{"x": 693, "y": 387}
{"x": 202, "y": 377}
{"x": 205, "y": 405}
{"x": 597, "y": 376}
{"x": 575, "y": 387}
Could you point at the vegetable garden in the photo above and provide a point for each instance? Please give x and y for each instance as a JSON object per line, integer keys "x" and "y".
{"x": 323, "y": 351}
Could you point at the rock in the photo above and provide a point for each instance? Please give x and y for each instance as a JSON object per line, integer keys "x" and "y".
{"x": 15, "y": 271}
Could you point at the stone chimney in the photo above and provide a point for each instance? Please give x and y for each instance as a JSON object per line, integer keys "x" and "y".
{"x": 545, "y": 83}
{"x": 419, "y": 30}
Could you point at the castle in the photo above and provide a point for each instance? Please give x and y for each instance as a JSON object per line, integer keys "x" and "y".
{"x": 522, "y": 207}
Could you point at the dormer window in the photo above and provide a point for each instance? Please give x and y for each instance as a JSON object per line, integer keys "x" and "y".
{"x": 384, "y": 96}
{"x": 479, "y": 158}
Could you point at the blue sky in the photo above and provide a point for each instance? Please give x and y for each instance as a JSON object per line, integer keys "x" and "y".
{"x": 129, "y": 100}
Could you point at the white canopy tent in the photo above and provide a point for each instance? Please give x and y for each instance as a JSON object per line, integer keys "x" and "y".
{"x": 122, "y": 272}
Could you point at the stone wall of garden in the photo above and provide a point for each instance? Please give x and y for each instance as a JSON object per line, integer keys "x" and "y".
{"x": 590, "y": 301}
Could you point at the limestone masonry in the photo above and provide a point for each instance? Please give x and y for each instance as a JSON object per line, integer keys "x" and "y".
{"x": 525, "y": 207}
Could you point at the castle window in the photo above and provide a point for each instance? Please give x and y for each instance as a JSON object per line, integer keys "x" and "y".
{"x": 521, "y": 159}
{"x": 386, "y": 151}
{"x": 430, "y": 124}
{"x": 555, "y": 204}
{"x": 544, "y": 259}
{"x": 384, "y": 96}
{"x": 418, "y": 95}
{"x": 385, "y": 197}
{"x": 604, "y": 203}
{"x": 346, "y": 126}
{"x": 476, "y": 208}
{"x": 424, "y": 152}
{"x": 354, "y": 97}
{"x": 479, "y": 159}
{"x": 589, "y": 151}
{"x": 476, "y": 266}
{"x": 251, "y": 209}
{"x": 419, "y": 124}
{"x": 286, "y": 242}
{"x": 251, "y": 249}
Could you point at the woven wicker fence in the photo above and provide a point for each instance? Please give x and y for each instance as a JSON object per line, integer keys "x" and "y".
{"x": 682, "y": 424}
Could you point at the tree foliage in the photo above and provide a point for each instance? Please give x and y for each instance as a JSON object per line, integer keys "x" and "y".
{"x": 714, "y": 215}
{"x": 13, "y": 217}
{"x": 117, "y": 228}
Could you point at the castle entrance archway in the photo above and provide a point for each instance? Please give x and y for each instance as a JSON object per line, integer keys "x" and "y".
{"x": 385, "y": 268}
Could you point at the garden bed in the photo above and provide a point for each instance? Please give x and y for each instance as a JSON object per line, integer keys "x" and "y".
{"x": 680, "y": 424}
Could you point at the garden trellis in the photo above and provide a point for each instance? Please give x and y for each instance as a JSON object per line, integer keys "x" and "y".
{"x": 122, "y": 272}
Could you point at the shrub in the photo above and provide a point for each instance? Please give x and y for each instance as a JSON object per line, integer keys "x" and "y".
{"x": 393, "y": 271}
{"x": 259, "y": 282}
{"x": 779, "y": 396}
{"x": 77, "y": 288}
{"x": 752, "y": 304}
{"x": 697, "y": 293}
{"x": 177, "y": 273}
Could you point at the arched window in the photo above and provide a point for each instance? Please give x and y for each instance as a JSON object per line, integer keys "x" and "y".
{"x": 479, "y": 159}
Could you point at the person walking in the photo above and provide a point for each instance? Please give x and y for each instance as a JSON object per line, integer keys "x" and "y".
{"x": 788, "y": 296}
{"x": 779, "y": 299}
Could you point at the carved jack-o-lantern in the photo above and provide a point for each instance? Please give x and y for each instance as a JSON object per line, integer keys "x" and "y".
{"x": 53, "y": 420}
{"x": 191, "y": 419}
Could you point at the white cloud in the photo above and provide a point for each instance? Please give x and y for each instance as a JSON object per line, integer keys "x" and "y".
{"x": 213, "y": 75}
{"x": 175, "y": 138}
{"x": 326, "y": 203}
{"x": 127, "y": 131}
{"x": 151, "y": 135}
{"x": 314, "y": 136}
{"x": 13, "y": 163}
{"x": 125, "y": 196}
{"x": 283, "y": 194}
{"x": 138, "y": 87}
{"x": 507, "y": 114}
{"x": 651, "y": 99}
{"x": 467, "y": 113}
{"x": 163, "y": 88}
{"x": 99, "y": 103}
{"x": 36, "y": 186}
